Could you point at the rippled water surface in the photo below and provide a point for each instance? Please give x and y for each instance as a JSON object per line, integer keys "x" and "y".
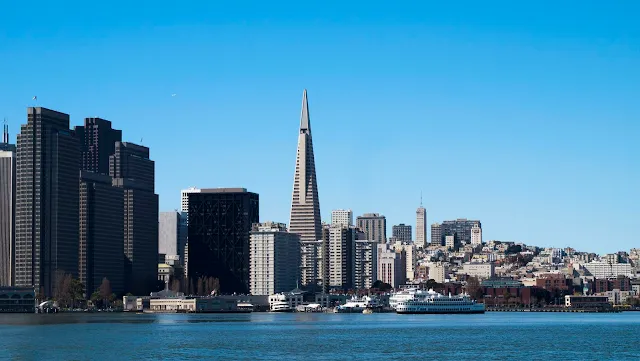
{"x": 264, "y": 336}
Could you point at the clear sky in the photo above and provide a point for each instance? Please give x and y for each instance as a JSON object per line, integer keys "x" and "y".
{"x": 523, "y": 116}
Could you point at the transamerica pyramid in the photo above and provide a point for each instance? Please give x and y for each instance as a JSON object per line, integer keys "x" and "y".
{"x": 305, "y": 207}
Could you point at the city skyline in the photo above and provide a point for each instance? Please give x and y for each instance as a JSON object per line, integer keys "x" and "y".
{"x": 516, "y": 107}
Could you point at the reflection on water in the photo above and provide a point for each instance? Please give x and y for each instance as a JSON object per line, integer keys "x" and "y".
{"x": 117, "y": 318}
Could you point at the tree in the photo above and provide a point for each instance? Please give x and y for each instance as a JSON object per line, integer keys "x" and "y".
{"x": 175, "y": 285}
{"x": 381, "y": 286}
{"x": 105, "y": 290}
{"x": 62, "y": 290}
{"x": 473, "y": 284}
{"x": 76, "y": 291}
{"x": 96, "y": 298}
{"x": 200, "y": 287}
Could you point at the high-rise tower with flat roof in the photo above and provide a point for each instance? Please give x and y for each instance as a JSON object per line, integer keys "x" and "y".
{"x": 7, "y": 208}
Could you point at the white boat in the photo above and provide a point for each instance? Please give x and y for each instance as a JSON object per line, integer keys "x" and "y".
{"x": 280, "y": 303}
{"x": 358, "y": 305}
{"x": 434, "y": 302}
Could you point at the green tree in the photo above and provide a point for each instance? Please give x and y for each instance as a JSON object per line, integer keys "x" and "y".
{"x": 105, "y": 291}
{"x": 472, "y": 287}
{"x": 96, "y": 299}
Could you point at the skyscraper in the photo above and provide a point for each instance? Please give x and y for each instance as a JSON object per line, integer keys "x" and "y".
{"x": 305, "y": 206}
{"x": 274, "y": 259}
{"x": 401, "y": 232}
{"x": 365, "y": 264}
{"x": 436, "y": 235}
{"x": 101, "y": 242}
{"x": 341, "y": 256}
{"x": 97, "y": 143}
{"x": 460, "y": 229}
{"x": 134, "y": 172}
{"x": 48, "y": 167}
{"x": 7, "y": 207}
{"x": 374, "y": 226}
{"x": 421, "y": 227}
{"x": 342, "y": 217}
{"x": 476, "y": 235}
{"x": 220, "y": 222}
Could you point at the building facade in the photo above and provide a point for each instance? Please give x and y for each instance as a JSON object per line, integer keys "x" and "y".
{"x": 220, "y": 221}
{"x": 365, "y": 264}
{"x": 460, "y": 229}
{"x": 421, "y": 227}
{"x": 402, "y": 233}
{"x": 47, "y": 200}
{"x": 274, "y": 259}
{"x": 391, "y": 266}
{"x": 374, "y": 226}
{"x": 480, "y": 270}
{"x": 436, "y": 235}
{"x": 305, "y": 204}
{"x": 172, "y": 234}
{"x": 97, "y": 143}
{"x": 101, "y": 233}
{"x": 341, "y": 257}
{"x": 7, "y": 208}
{"x": 134, "y": 172}
{"x": 476, "y": 235}
{"x": 342, "y": 217}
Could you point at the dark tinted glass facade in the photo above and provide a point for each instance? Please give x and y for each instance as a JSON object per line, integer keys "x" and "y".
{"x": 219, "y": 229}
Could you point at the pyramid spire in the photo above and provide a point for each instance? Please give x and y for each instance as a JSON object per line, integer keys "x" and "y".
{"x": 305, "y": 124}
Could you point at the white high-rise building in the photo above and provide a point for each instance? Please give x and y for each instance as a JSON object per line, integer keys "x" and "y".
{"x": 184, "y": 205}
{"x": 438, "y": 272}
{"x": 342, "y": 217}
{"x": 274, "y": 256}
{"x": 410, "y": 258}
{"x": 476, "y": 235}
{"x": 421, "y": 227}
{"x": 391, "y": 265}
{"x": 341, "y": 257}
{"x": 366, "y": 264}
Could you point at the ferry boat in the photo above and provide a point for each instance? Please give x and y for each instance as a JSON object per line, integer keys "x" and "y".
{"x": 434, "y": 302}
{"x": 280, "y": 303}
{"x": 358, "y": 305}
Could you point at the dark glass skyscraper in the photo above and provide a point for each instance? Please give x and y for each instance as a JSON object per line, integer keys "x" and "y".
{"x": 134, "y": 172}
{"x": 48, "y": 166}
{"x": 219, "y": 229}
{"x": 97, "y": 143}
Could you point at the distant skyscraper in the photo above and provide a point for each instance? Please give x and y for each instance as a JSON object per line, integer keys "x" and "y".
{"x": 47, "y": 204}
{"x": 341, "y": 256}
{"x": 374, "y": 226}
{"x": 342, "y": 217}
{"x": 133, "y": 171}
{"x": 476, "y": 235}
{"x": 97, "y": 144}
{"x": 184, "y": 195}
{"x": 401, "y": 232}
{"x": 184, "y": 208}
{"x": 172, "y": 234}
{"x": 421, "y": 227}
{"x": 305, "y": 206}
{"x": 7, "y": 208}
{"x": 220, "y": 222}
{"x": 391, "y": 265}
{"x": 436, "y": 235}
{"x": 366, "y": 264}
{"x": 274, "y": 259}
{"x": 101, "y": 242}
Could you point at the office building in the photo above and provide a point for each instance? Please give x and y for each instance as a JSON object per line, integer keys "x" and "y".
{"x": 476, "y": 235}
{"x": 391, "y": 266}
{"x": 7, "y": 208}
{"x": 172, "y": 234}
{"x": 184, "y": 208}
{"x": 410, "y": 258}
{"x": 97, "y": 143}
{"x": 342, "y": 217}
{"x": 608, "y": 270}
{"x": 460, "y": 229}
{"x": 436, "y": 235}
{"x": 220, "y": 222}
{"x": 401, "y": 232}
{"x": 101, "y": 242}
{"x": 365, "y": 264}
{"x": 47, "y": 201}
{"x": 134, "y": 172}
{"x": 421, "y": 227}
{"x": 305, "y": 205}
{"x": 184, "y": 198}
{"x": 274, "y": 259}
{"x": 438, "y": 272}
{"x": 374, "y": 226}
{"x": 341, "y": 256}
{"x": 480, "y": 270}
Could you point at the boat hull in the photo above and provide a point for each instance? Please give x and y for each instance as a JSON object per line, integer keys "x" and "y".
{"x": 440, "y": 312}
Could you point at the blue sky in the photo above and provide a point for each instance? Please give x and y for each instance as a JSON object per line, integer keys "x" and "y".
{"x": 523, "y": 116}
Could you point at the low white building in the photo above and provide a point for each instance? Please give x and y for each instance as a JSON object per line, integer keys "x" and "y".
{"x": 608, "y": 270}
{"x": 438, "y": 272}
{"x": 480, "y": 270}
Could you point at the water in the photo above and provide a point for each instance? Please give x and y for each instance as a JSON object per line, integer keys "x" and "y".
{"x": 264, "y": 336}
